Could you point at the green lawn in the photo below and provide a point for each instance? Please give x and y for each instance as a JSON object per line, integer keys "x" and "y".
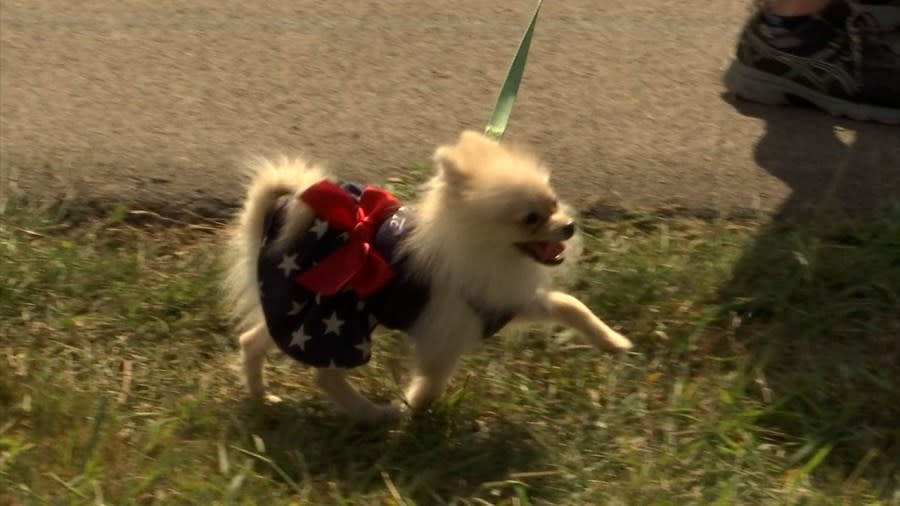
{"x": 766, "y": 371}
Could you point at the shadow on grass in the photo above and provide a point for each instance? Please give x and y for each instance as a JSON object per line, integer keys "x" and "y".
{"x": 818, "y": 293}
{"x": 432, "y": 458}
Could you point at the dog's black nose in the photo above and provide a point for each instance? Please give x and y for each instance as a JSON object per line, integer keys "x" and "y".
{"x": 569, "y": 229}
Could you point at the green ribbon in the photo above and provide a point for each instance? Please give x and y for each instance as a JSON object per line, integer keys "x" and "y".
{"x": 496, "y": 126}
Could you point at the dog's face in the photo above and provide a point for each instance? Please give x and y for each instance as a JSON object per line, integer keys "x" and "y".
{"x": 504, "y": 198}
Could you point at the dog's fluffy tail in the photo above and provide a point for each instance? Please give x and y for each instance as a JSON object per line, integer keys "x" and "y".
{"x": 269, "y": 181}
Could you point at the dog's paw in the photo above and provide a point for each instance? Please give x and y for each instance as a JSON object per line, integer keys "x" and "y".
{"x": 271, "y": 399}
{"x": 620, "y": 342}
{"x": 264, "y": 398}
{"x": 613, "y": 341}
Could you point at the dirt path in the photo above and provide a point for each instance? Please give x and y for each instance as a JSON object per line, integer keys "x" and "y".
{"x": 156, "y": 102}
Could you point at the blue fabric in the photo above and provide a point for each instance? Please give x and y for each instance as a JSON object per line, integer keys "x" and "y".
{"x": 336, "y": 331}
{"x": 333, "y": 331}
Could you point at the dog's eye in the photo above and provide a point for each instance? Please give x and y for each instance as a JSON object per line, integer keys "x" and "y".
{"x": 531, "y": 218}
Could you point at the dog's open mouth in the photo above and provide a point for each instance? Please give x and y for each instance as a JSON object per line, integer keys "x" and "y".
{"x": 545, "y": 252}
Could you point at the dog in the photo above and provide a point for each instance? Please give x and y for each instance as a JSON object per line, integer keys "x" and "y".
{"x": 473, "y": 253}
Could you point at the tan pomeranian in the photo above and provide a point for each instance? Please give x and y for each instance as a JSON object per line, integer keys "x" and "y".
{"x": 316, "y": 265}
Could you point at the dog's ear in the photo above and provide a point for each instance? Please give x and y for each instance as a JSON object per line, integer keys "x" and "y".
{"x": 449, "y": 166}
{"x": 453, "y": 162}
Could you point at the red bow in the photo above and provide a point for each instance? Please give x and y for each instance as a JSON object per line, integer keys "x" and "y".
{"x": 356, "y": 262}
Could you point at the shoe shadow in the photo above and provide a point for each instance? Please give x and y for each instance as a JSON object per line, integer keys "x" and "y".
{"x": 804, "y": 148}
{"x": 432, "y": 458}
{"x": 818, "y": 292}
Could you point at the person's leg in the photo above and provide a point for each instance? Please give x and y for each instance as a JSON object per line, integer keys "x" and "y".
{"x": 820, "y": 52}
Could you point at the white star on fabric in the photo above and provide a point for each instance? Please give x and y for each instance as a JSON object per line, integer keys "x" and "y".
{"x": 333, "y": 324}
{"x": 319, "y": 228}
{"x": 360, "y": 305}
{"x": 299, "y": 338}
{"x": 288, "y": 264}
{"x": 365, "y": 348}
{"x": 295, "y": 309}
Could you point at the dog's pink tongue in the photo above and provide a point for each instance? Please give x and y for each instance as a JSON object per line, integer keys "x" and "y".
{"x": 550, "y": 250}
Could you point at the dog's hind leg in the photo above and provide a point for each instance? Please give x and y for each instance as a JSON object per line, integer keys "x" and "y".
{"x": 254, "y": 345}
{"x": 334, "y": 382}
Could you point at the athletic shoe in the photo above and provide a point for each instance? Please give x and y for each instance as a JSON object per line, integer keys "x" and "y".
{"x": 834, "y": 60}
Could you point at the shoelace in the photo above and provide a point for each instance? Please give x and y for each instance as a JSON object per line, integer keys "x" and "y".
{"x": 869, "y": 31}
{"x": 866, "y": 35}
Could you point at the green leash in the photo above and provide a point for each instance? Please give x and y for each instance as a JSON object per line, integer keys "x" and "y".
{"x": 496, "y": 126}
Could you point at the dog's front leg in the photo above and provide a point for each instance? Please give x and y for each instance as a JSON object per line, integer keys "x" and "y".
{"x": 566, "y": 309}
{"x": 428, "y": 383}
{"x": 436, "y": 356}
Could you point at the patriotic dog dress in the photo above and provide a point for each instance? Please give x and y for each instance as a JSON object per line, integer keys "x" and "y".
{"x": 324, "y": 295}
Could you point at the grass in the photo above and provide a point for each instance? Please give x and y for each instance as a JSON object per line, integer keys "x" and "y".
{"x": 766, "y": 372}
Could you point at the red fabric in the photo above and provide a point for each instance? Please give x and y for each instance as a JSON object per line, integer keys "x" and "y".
{"x": 356, "y": 262}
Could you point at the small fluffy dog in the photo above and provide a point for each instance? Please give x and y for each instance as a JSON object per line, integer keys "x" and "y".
{"x": 316, "y": 266}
